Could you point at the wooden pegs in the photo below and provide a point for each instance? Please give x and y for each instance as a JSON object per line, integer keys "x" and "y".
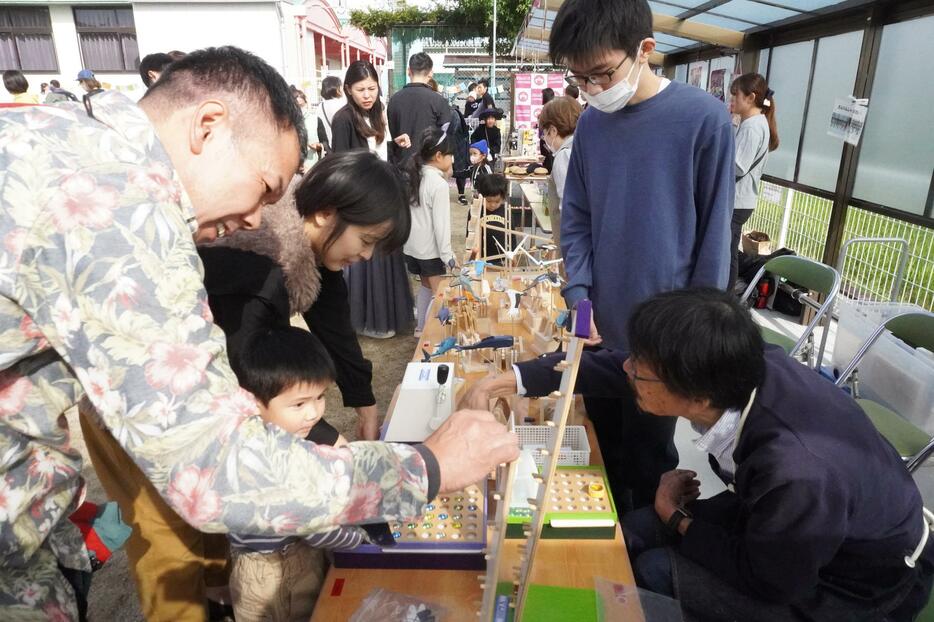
{"x": 550, "y": 423}
{"x": 497, "y": 496}
{"x": 561, "y": 366}
{"x": 555, "y": 395}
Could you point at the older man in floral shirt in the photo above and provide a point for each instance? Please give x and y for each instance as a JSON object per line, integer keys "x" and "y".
{"x": 101, "y": 297}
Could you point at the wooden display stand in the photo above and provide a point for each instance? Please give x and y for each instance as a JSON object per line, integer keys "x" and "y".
{"x": 565, "y": 563}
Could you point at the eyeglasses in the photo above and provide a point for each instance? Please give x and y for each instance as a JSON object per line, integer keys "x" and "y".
{"x": 635, "y": 376}
{"x": 597, "y": 79}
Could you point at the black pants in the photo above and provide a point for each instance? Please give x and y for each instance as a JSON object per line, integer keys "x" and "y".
{"x": 637, "y": 448}
{"x": 740, "y": 216}
{"x": 461, "y": 185}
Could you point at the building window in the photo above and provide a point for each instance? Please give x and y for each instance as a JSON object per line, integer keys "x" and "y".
{"x": 107, "y": 37}
{"x": 26, "y": 39}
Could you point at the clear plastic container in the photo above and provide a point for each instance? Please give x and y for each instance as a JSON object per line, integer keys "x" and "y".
{"x": 892, "y": 372}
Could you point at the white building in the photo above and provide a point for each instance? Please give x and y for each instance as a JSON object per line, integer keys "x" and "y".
{"x": 303, "y": 39}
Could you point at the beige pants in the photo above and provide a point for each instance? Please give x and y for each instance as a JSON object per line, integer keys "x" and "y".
{"x": 276, "y": 587}
{"x": 171, "y": 562}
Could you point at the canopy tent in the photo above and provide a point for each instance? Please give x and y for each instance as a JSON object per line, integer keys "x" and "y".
{"x": 683, "y": 25}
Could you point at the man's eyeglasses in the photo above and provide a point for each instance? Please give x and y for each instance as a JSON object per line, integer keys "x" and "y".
{"x": 631, "y": 372}
{"x": 597, "y": 79}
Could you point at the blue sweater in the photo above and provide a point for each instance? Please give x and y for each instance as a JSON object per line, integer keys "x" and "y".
{"x": 647, "y": 203}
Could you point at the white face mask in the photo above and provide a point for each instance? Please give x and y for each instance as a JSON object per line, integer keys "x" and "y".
{"x": 617, "y": 96}
{"x": 548, "y": 145}
{"x": 475, "y": 159}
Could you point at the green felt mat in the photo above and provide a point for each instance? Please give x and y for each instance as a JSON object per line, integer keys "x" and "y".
{"x": 546, "y": 603}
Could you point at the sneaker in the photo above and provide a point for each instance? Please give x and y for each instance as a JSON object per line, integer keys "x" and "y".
{"x": 373, "y": 334}
{"x": 462, "y": 200}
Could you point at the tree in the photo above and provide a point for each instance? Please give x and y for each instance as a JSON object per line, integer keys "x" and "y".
{"x": 469, "y": 15}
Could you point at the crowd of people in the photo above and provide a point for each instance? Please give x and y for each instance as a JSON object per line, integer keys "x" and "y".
{"x": 155, "y": 252}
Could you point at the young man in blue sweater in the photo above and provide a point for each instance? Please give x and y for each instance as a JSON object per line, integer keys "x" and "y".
{"x": 647, "y": 206}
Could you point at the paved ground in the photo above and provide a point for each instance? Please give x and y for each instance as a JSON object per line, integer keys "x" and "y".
{"x": 113, "y": 593}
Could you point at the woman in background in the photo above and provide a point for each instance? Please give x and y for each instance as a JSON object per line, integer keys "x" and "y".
{"x": 332, "y": 100}
{"x": 380, "y": 298}
{"x": 754, "y": 102}
{"x": 557, "y": 121}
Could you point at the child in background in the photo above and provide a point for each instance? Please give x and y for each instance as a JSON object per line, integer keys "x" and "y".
{"x": 488, "y": 131}
{"x": 428, "y": 251}
{"x": 288, "y": 371}
{"x": 479, "y": 168}
{"x": 493, "y": 189}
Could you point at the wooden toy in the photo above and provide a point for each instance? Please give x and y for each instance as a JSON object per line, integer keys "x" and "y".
{"x": 579, "y": 506}
{"x": 565, "y": 400}
{"x": 450, "y": 534}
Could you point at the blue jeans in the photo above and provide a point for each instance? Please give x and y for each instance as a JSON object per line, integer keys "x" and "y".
{"x": 649, "y": 546}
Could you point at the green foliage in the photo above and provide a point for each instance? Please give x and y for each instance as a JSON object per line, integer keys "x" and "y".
{"x": 475, "y": 15}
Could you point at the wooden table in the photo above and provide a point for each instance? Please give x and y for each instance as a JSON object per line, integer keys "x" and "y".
{"x": 533, "y": 195}
{"x": 567, "y": 563}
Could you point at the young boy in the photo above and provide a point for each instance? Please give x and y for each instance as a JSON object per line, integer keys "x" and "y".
{"x": 493, "y": 189}
{"x": 647, "y": 206}
{"x": 489, "y": 132}
{"x": 479, "y": 164}
{"x": 288, "y": 371}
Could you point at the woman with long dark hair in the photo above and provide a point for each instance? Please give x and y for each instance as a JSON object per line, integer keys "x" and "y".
{"x": 380, "y": 298}
{"x": 754, "y": 102}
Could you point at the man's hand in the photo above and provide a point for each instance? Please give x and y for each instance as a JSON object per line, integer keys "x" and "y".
{"x": 468, "y": 445}
{"x": 675, "y": 489}
{"x": 478, "y": 396}
{"x": 367, "y": 423}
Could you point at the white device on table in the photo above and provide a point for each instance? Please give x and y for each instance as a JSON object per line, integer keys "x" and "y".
{"x": 426, "y": 400}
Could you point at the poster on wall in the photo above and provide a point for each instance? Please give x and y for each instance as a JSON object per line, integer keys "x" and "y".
{"x": 697, "y": 74}
{"x": 848, "y": 119}
{"x": 718, "y": 84}
{"x": 528, "y": 95}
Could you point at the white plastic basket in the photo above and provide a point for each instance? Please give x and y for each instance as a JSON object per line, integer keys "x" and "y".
{"x": 575, "y": 448}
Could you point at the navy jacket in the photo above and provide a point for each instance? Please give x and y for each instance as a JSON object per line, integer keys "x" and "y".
{"x": 822, "y": 500}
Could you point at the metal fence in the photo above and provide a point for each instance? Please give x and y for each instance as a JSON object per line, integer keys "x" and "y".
{"x": 799, "y": 221}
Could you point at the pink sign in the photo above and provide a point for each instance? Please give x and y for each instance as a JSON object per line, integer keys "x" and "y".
{"x": 523, "y": 80}
{"x": 556, "y": 81}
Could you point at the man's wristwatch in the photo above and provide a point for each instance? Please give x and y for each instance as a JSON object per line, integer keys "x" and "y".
{"x": 676, "y": 517}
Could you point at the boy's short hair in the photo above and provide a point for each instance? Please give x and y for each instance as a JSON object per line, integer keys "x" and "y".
{"x": 493, "y": 185}
{"x": 584, "y": 29}
{"x": 572, "y": 91}
{"x": 274, "y": 360}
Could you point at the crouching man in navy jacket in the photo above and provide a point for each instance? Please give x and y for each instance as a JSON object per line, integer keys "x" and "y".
{"x": 822, "y": 520}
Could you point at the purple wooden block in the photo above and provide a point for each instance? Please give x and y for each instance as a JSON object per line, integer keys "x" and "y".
{"x": 582, "y": 319}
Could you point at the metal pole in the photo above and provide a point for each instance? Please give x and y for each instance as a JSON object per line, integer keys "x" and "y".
{"x": 495, "y": 21}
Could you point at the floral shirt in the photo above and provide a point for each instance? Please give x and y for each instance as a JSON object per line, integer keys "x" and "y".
{"x": 101, "y": 297}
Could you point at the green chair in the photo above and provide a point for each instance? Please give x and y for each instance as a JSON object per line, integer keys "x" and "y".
{"x": 916, "y": 328}
{"x": 812, "y": 276}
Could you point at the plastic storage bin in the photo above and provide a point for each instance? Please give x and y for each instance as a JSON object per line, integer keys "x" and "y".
{"x": 575, "y": 448}
{"x": 892, "y": 372}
